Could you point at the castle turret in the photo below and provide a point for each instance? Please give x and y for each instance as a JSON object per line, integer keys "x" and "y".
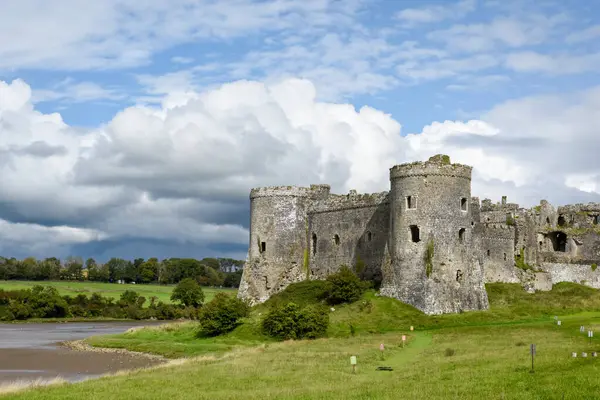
{"x": 434, "y": 263}
{"x": 277, "y": 252}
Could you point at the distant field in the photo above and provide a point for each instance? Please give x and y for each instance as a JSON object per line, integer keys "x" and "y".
{"x": 114, "y": 290}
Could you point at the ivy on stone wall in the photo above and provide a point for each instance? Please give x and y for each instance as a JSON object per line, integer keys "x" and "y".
{"x": 429, "y": 258}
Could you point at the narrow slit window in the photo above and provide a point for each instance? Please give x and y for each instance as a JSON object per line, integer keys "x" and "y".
{"x": 415, "y": 234}
{"x": 336, "y": 239}
{"x": 263, "y": 247}
{"x": 488, "y": 253}
{"x": 504, "y": 256}
{"x": 461, "y": 235}
{"x": 314, "y": 243}
{"x": 411, "y": 202}
{"x": 463, "y": 204}
{"x": 369, "y": 236}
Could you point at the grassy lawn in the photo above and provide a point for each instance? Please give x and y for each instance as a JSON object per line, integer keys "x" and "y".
{"x": 114, "y": 290}
{"x": 476, "y": 355}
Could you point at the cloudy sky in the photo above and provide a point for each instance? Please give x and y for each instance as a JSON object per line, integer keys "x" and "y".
{"x": 137, "y": 128}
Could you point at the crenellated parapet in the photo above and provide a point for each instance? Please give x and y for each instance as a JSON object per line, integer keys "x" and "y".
{"x": 439, "y": 165}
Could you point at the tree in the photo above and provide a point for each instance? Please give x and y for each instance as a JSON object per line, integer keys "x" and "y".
{"x": 148, "y": 270}
{"x": 188, "y": 293}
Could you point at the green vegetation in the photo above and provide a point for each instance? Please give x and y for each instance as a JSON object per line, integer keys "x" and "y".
{"x": 510, "y": 221}
{"x": 538, "y": 209}
{"x": 208, "y": 271}
{"x": 222, "y": 314}
{"x": 445, "y": 159}
{"x": 344, "y": 287}
{"x": 43, "y": 302}
{"x": 520, "y": 261}
{"x": 429, "y": 258}
{"x": 594, "y": 266}
{"x": 472, "y": 355}
{"x": 188, "y": 293}
{"x": 110, "y": 290}
{"x": 292, "y": 322}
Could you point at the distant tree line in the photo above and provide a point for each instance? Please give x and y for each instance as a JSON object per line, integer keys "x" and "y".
{"x": 207, "y": 271}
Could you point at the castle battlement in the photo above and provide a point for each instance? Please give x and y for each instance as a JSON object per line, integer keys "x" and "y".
{"x": 439, "y": 165}
{"x": 314, "y": 191}
{"x": 426, "y": 241}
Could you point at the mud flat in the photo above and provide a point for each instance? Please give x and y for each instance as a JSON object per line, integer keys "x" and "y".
{"x": 31, "y": 352}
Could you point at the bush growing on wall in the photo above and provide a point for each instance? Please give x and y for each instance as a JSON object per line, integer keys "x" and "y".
{"x": 222, "y": 314}
{"x": 292, "y": 322}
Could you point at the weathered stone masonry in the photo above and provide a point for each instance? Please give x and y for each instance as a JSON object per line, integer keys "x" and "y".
{"x": 426, "y": 241}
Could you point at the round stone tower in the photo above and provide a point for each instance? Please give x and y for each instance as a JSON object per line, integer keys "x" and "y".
{"x": 434, "y": 264}
{"x": 277, "y": 252}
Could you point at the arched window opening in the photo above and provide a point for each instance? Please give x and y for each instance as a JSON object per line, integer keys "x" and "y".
{"x": 548, "y": 220}
{"x": 461, "y": 235}
{"x": 559, "y": 241}
{"x": 411, "y": 202}
{"x": 415, "y": 234}
{"x": 561, "y": 221}
{"x": 369, "y": 236}
{"x": 463, "y": 204}
{"x": 336, "y": 239}
{"x": 314, "y": 244}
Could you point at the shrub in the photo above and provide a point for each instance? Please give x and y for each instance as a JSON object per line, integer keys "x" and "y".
{"x": 222, "y": 314}
{"x": 344, "y": 287}
{"x": 188, "y": 293}
{"x": 594, "y": 266}
{"x": 291, "y": 322}
{"x": 128, "y": 297}
{"x": 449, "y": 352}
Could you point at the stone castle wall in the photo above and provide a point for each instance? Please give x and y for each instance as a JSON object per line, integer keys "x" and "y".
{"x": 348, "y": 230}
{"x": 427, "y": 241}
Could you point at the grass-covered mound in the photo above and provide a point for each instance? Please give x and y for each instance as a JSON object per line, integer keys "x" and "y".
{"x": 372, "y": 314}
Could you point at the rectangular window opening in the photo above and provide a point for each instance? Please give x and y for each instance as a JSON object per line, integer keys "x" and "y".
{"x": 415, "y": 234}
{"x": 263, "y": 247}
{"x": 411, "y": 202}
{"x": 463, "y": 204}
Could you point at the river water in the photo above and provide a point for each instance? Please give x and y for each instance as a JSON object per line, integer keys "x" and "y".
{"x": 32, "y": 351}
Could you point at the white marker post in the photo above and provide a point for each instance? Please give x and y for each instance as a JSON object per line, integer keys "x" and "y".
{"x": 412, "y": 328}
{"x": 403, "y": 340}
{"x": 353, "y": 363}
{"x": 558, "y": 323}
{"x": 582, "y": 329}
{"x": 381, "y": 348}
{"x": 590, "y": 335}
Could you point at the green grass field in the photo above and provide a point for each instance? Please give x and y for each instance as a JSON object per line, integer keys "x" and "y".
{"x": 475, "y": 355}
{"x": 114, "y": 290}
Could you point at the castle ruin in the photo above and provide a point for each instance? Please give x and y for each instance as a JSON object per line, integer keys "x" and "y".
{"x": 426, "y": 242}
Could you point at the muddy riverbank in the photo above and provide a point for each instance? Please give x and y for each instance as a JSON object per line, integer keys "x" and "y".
{"x": 34, "y": 351}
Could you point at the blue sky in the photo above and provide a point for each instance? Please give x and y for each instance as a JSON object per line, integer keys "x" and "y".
{"x": 133, "y": 128}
